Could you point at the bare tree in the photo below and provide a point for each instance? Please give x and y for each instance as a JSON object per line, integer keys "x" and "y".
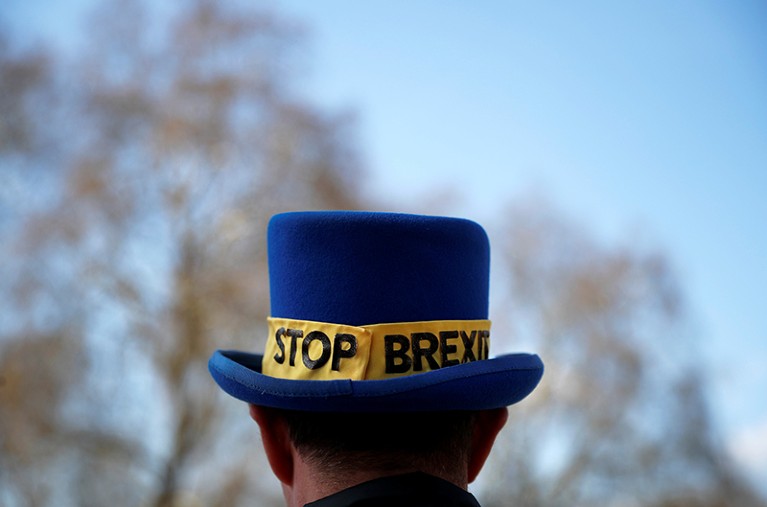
{"x": 145, "y": 170}
{"x": 620, "y": 417}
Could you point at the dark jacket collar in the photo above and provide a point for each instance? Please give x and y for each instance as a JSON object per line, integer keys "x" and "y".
{"x": 409, "y": 490}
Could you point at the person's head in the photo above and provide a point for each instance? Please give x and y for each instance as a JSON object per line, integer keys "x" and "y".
{"x": 337, "y": 450}
{"x": 377, "y": 360}
{"x": 451, "y": 445}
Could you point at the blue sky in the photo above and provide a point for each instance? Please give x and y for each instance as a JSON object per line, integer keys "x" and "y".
{"x": 645, "y": 118}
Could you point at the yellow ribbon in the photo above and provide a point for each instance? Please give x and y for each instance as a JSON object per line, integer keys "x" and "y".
{"x": 306, "y": 350}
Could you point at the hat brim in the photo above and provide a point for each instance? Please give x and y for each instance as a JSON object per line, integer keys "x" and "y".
{"x": 478, "y": 385}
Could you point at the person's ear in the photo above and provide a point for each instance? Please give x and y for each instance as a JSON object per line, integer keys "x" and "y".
{"x": 486, "y": 427}
{"x": 276, "y": 440}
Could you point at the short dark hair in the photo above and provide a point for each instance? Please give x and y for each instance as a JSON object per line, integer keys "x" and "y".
{"x": 341, "y": 443}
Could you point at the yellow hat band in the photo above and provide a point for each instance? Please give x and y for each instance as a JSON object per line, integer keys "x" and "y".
{"x": 305, "y": 350}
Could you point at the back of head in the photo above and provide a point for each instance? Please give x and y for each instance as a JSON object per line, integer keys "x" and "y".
{"x": 339, "y": 445}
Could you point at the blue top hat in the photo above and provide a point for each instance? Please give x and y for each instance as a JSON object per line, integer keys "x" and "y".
{"x": 374, "y": 312}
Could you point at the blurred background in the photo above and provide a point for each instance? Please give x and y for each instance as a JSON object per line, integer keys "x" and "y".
{"x": 616, "y": 152}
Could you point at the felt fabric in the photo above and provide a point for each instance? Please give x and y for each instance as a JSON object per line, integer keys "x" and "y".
{"x": 492, "y": 383}
{"x": 363, "y": 268}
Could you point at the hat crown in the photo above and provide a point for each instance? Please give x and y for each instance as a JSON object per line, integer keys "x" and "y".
{"x": 361, "y": 268}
